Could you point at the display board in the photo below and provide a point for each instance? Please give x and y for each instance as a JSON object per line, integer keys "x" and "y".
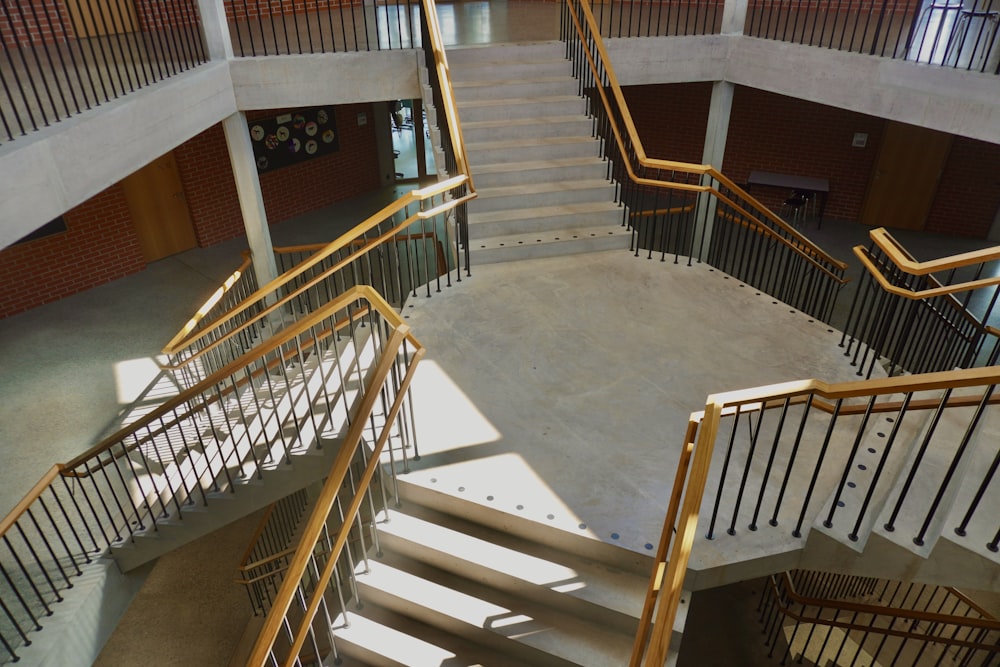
{"x": 292, "y": 137}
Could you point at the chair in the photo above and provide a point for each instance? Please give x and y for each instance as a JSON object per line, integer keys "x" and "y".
{"x": 809, "y": 205}
{"x": 792, "y": 210}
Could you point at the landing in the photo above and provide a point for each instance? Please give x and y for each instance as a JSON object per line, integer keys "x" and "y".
{"x": 559, "y": 389}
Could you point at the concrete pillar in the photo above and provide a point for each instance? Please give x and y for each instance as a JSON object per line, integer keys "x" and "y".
{"x": 734, "y": 17}
{"x": 215, "y": 27}
{"x": 716, "y": 132}
{"x": 251, "y": 198}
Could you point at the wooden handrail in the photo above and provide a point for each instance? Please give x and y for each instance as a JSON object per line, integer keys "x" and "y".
{"x": 354, "y": 294}
{"x": 861, "y": 252}
{"x": 324, "y": 502}
{"x": 343, "y": 241}
{"x": 210, "y": 303}
{"x": 891, "y": 247}
{"x": 29, "y": 498}
{"x": 645, "y": 161}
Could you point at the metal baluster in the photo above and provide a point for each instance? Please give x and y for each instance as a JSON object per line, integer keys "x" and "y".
{"x": 770, "y": 462}
{"x": 828, "y": 522}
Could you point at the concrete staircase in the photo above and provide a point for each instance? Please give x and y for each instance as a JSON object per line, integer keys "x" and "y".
{"x": 543, "y": 190}
{"x": 459, "y": 584}
{"x": 942, "y": 557}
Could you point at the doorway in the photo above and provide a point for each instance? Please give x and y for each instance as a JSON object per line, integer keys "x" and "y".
{"x": 156, "y": 200}
{"x": 903, "y": 185}
{"x": 411, "y": 146}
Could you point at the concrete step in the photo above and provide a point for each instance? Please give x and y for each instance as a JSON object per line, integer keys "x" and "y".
{"x": 378, "y": 637}
{"x": 462, "y": 70}
{"x": 580, "y": 587}
{"x": 540, "y": 106}
{"x": 523, "y": 128}
{"x": 461, "y": 56}
{"x": 511, "y": 625}
{"x": 542, "y": 194}
{"x": 530, "y": 150}
{"x": 499, "y": 89}
{"x": 539, "y": 171}
{"x": 544, "y": 219}
{"x": 551, "y": 243}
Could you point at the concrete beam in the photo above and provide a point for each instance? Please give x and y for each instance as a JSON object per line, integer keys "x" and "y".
{"x": 326, "y": 78}
{"x": 46, "y": 173}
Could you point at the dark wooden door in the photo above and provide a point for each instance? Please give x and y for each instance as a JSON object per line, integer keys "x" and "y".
{"x": 159, "y": 209}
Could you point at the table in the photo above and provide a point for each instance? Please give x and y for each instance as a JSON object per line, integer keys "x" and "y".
{"x": 821, "y": 186}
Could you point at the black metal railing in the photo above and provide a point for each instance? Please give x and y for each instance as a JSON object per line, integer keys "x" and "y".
{"x": 659, "y": 18}
{"x": 264, "y": 28}
{"x": 840, "y": 619}
{"x": 404, "y": 247}
{"x": 963, "y": 34}
{"x": 297, "y": 393}
{"x": 920, "y": 318}
{"x": 914, "y": 459}
{"x": 60, "y": 59}
{"x": 689, "y": 210}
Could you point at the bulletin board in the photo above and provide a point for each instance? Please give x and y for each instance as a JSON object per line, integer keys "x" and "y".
{"x": 302, "y": 134}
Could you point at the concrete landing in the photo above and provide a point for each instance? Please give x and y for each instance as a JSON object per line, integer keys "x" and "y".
{"x": 559, "y": 390}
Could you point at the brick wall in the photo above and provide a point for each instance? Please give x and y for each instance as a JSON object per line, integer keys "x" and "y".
{"x": 968, "y": 195}
{"x": 100, "y": 243}
{"x": 157, "y": 14}
{"x": 671, "y": 119}
{"x": 239, "y": 10}
{"x": 35, "y": 22}
{"x": 98, "y": 246}
{"x": 211, "y": 191}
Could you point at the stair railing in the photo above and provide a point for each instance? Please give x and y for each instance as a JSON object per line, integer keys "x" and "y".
{"x": 398, "y": 249}
{"x": 922, "y": 317}
{"x": 299, "y": 391}
{"x": 728, "y": 228}
{"x": 376, "y": 252}
{"x": 312, "y": 597}
{"x": 887, "y": 621}
{"x": 865, "y": 448}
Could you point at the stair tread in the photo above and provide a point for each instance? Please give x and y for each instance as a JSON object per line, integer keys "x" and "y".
{"x": 530, "y": 165}
{"x": 385, "y": 638}
{"x": 549, "y": 236}
{"x": 527, "y": 141}
{"x": 542, "y": 187}
{"x": 529, "y": 563}
{"x": 493, "y": 83}
{"x": 522, "y": 122}
{"x": 509, "y": 101}
{"x": 541, "y": 211}
{"x": 459, "y": 603}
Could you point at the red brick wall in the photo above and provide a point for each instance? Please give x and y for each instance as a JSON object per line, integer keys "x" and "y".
{"x": 770, "y": 132}
{"x": 37, "y": 22}
{"x": 157, "y": 14}
{"x": 211, "y": 191}
{"x": 671, "y": 118}
{"x": 238, "y": 10}
{"x": 98, "y": 246}
{"x": 968, "y": 194}
{"x": 100, "y": 243}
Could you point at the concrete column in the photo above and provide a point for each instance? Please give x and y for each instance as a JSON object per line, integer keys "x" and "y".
{"x": 734, "y": 17}
{"x": 716, "y": 132}
{"x": 251, "y": 198}
{"x": 215, "y": 27}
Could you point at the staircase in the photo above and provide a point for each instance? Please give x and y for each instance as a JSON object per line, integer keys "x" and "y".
{"x": 543, "y": 190}
{"x": 458, "y": 584}
{"x": 903, "y": 461}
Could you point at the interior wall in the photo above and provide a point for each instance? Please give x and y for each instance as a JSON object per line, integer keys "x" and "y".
{"x": 100, "y": 244}
{"x": 968, "y": 196}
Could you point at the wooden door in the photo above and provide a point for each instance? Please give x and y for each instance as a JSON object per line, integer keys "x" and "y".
{"x": 159, "y": 209}
{"x": 93, "y": 18}
{"x": 909, "y": 165}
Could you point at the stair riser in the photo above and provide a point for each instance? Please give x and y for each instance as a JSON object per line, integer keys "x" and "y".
{"x": 444, "y": 622}
{"x": 463, "y": 567}
{"x": 506, "y": 54}
{"x": 520, "y": 109}
{"x": 578, "y": 127}
{"x": 464, "y": 72}
{"x": 530, "y": 200}
{"x": 526, "y": 225}
{"x": 593, "y": 171}
{"x": 586, "y": 147}
{"x": 501, "y": 91}
{"x": 549, "y": 249}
